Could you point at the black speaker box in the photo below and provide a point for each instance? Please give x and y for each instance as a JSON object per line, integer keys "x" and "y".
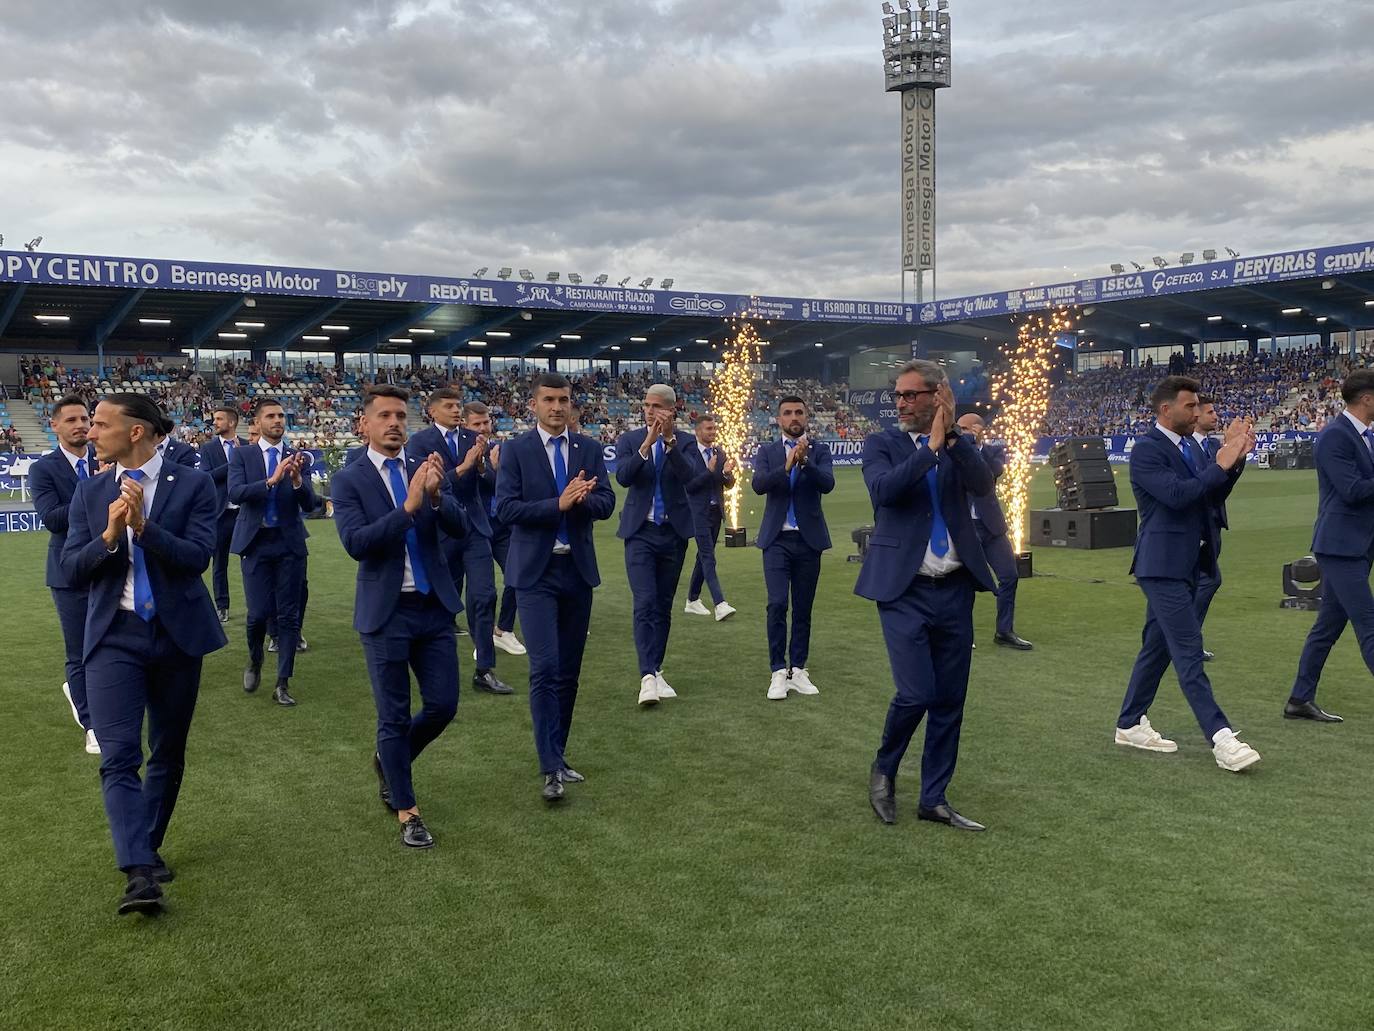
{"x": 1088, "y": 495}
{"x": 1083, "y": 472}
{"x": 1108, "y": 528}
{"x": 1078, "y": 449}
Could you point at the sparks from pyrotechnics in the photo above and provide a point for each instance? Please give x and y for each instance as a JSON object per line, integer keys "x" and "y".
{"x": 731, "y": 396}
{"x": 1022, "y": 388}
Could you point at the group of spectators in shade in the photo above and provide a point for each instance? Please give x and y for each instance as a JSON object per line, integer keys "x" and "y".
{"x": 10, "y": 438}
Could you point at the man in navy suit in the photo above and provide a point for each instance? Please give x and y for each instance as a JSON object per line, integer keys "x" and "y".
{"x": 389, "y": 510}
{"x": 924, "y": 564}
{"x": 1176, "y": 491}
{"x": 713, "y": 472}
{"x": 551, "y": 487}
{"x": 178, "y": 452}
{"x": 991, "y": 524}
{"x": 477, "y": 420}
{"x": 139, "y": 540}
{"x": 214, "y": 459}
{"x": 655, "y": 524}
{"x": 1208, "y": 583}
{"x": 1342, "y": 542}
{"x": 52, "y": 481}
{"x": 469, "y": 558}
{"x": 792, "y": 474}
{"x": 269, "y": 536}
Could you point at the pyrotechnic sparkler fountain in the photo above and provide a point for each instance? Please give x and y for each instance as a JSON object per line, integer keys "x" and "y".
{"x": 731, "y": 396}
{"x": 1023, "y": 391}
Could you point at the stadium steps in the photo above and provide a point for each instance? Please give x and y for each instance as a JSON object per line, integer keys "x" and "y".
{"x": 29, "y": 425}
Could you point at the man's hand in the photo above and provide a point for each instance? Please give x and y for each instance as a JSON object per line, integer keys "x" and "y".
{"x": 418, "y": 488}
{"x": 279, "y": 473}
{"x": 494, "y": 456}
{"x": 117, "y": 523}
{"x": 132, "y": 493}
{"x": 653, "y": 427}
{"x": 714, "y": 463}
{"x": 943, "y": 418}
{"x": 297, "y": 464}
{"x": 471, "y": 459}
{"x": 1237, "y": 442}
{"x": 729, "y": 468}
{"x": 667, "y": 428}
{"x": 576, "y": 490}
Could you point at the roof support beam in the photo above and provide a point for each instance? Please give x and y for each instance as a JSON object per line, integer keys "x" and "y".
{"x": 201, "y": 331}
{"x": 1344, "y": 314}
{"x": 279, "y": 340}
{"x": 373, "y": 339}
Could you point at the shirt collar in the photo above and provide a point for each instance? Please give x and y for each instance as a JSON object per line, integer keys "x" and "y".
{"x": 546, "y": 436}
{"x": 1201, "y": 438}
{"x": 377, "y": 459}
{"x": 266, "y": 445}
{"x": 1173, "y": 437}
{"x": 445, "y": 430}
{"x": 73, "y": 459}
{"x": 151, "y": 469}
{"x": 1361, "y": 427}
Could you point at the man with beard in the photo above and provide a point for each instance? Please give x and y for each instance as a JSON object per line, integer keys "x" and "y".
{"x": 214, "y": 459}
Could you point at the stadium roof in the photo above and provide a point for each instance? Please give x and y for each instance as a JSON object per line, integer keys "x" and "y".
{"x": 67, "y": 303}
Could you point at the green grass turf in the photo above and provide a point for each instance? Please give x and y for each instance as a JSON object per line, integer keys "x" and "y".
{"x": 721, "y": 867}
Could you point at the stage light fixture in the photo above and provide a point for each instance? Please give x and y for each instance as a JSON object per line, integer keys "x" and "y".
{"x": 600, "y": 280}
{"x": 1186, "y": 258}
{"x": 527, "y": 275}
{"x": 667, "y": 284}
{"x": 1209, "y": 255}
{"x": 552, "y": 277}
{"x": 625, "y": 280}
{"x": 1138, "y": 266}
{"x": 504, "y": 272}
{"x": 1234, "y": 254}
{"x": 1118, "y": 268}
{"x": 480, "y": 272}
{"x": 574, "y": 279}
{"x": 1159, "y": 262}
{"x": 646, "y": 283}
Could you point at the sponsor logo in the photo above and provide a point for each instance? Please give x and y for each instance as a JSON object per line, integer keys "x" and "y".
{"x": 1162, "y": 280}
{"x": 463, "y": 291}
{"x": 1275, "y": 265}
{"x": 928, "y": 313}
{"x": 806, "y": 309}
{"x": 351, "y": 282}
{"x": 1120, "y": 284}
{"x": 909, "y": 314}
{"x": 1349, "y": 261}
{"x": 1087, "y": 290}
{"x": 979, "y": 305}
{"x": 537, "y": 295}
{"x": 696, "y": 304}
{"x": 1013, "y": 300}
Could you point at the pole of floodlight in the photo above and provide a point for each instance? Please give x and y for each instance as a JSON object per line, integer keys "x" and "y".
{"x": 916, "y": 62}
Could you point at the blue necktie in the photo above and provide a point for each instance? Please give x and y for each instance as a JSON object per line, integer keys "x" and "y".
{"x": 269, "y": 517}
{"x": 1188, "y": 458}
{"x": 399, "y": 490}
{"x": 451, "y": 437}
{"x": 710, "y": 454}
{"x": 81, "y": 473}
{"x": 1369, "y": 441}
{"x": 560, "y": 481}
{"x": 792, "y": 486}
{"x": 658, "y": 481}
{"x": 939, "y": 531}
{"x": 143, "y": 590}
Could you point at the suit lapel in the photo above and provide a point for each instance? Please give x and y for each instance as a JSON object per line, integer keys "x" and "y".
{"x": 166, "y": 483}
{"x": 1175, "y": 455}
{"x": 538, "y": 448}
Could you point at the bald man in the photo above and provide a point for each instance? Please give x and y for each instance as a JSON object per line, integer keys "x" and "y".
{"x": 991, "y": 525}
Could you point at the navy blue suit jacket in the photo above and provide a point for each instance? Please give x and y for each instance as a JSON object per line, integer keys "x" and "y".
{"x": 248, "y": 489}
{"x": 986, "y": 508}
{"x": 178, "y": 540}
{"x": 215, "y": 461}
{"x": 1175, "y": 508}
{"x": 771, "y": 478}
{"x": 1345, "y": 492}
{"x": 354, "y": 453}
{"x": 1209, "y": 454}
{"x": 373, "y": 529}
{"x": 895, "y": 473}
{"x": 431, "y": 439}
{"x": 705, "y": 485}
{"x": 52, "y": 482}
{"x": 181, "y": 453}
{"x": 637, "y": 474}
{"x": 527, "y": 502}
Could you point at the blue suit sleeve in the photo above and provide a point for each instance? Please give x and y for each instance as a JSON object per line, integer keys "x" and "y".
{"x": 1337, "y": 457}
{"x": 363, "y": 538}
{"x": 511, "y": 507}
{"x": 46, "y": 500}
{"x": 190, "y": 553}
{"x": 630, "y": 465}
{"x": 600, "y": 503}
{"x": 766, "y": 478}
{"x": 1152, "y": 473}
{"x": 820, "y": 468}
{"x": 241, "y": 489}
{"x": 85, "y": 552}
{"x": 890, "y": 482}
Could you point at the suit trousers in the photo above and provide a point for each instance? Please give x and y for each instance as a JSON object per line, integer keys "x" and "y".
{"x": 224, "y": 532}
{"x": 1346, "y": 598}
{"x": 928, "y": 630}
{"x": 71, "y": 615}
{"x": 1002, "y": 560}
{"x": 653, "y": 562}
{"x": 134, "y": 669}
{"x": 419, "y": 636}
{"x": 704, "y": 571}
{"x": 790, "y": 566}
{"x": 475, "y": 565}
{"x": 1172, "y": 634}
{"x": 272, "y": 629}
{"x": 272, "y": 576}
{"x": 555, "y": 614}
{"x": 500, "y": 547}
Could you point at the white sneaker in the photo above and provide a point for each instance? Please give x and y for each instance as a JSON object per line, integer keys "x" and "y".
{"x": 777, "y": 687}
{"x": 696, "y": 608}
{"x": 67, "y": 694}
{"x": 1142, "y": 735}
{"x": 92, "y": 745}
{"x": 724, "y": 611}
{"x": 1231, "y": 752}
{"x": 508, "y": 642}
{"x": 801, "y": 682}
{"x": 662, "y": 686}
{"x": 648, "y": 690}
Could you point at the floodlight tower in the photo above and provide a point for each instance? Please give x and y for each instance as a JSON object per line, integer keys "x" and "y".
{"x": 915, "y": 64}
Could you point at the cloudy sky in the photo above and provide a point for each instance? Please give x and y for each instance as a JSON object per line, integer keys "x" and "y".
{"x": 736, "y": 145}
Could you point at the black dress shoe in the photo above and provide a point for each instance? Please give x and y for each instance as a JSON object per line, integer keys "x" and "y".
{"x": 571, "y": 776}
{"x": 1208, "y": 656}
{"x": 485, "y": 680}
{"x": 281, "y": 695}
{"x": 942, "y": 813}
{"x": 223, "y": 615}
{"x": 414, "y": 833}
{"x": 252, "y": 677}
{"x": 162, "y": 873}
{"x": 1308, "y": 711}
{"x": 553, "y": 787}
{"x": 141, "y": 894}
{"x": 1012, "y": 641}
{"x": 382, "y": 790}
{"x": 882, "y": 795}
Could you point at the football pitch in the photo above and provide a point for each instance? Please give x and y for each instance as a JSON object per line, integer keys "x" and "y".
{"x": 721, "y": 866}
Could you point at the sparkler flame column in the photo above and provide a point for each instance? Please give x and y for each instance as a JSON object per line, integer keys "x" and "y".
{"x": 1022, "y": 389}
{"x": 731, "y": 396}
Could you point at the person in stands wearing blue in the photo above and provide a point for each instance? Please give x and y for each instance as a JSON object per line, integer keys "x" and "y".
{"x": 551, "y": 487}
{"x": 792, "y": 473}
{"x": 1176, "y": 490}
{"x": 140, "y": 538}
{"x": 923, "y": 565}
{"x": 214, "y": 459}
{"x": 269, "y": 536}
{"x": 52, "y": 481}
{"x": 1342, "y": 542}
{"x": 470, "y": 559}
{"x": 477, "y": 420}
{"x": 655, "y": 524}
{"x": 389, "y": 510}
{"x": 713, "y": 474}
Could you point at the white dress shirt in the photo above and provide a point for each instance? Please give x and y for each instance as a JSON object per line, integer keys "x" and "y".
{"x": 73, "y": 459}
{"x": 152, "y": 469}
{"x": 1359, "y": 428}
{"x": 933, "y": 564}
{"x": 378, "y": 462}
{"x": 547, "y": 437}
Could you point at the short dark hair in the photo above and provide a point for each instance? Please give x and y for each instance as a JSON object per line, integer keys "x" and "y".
{"x": 706, "y": 417}
{"x": 230, "y": 411}
{"x": 385, "y": 390}
{"x": 1205, "y": 399}
{"x": 444, "y": 394}
{"x": 266, "y": 402}
{"x": 791, "y": 399}
{"x": 66, "y": 400}
{"x": 1361, "y": 381}
{"x": 139, "y": 407}
{"x": 552, "y": 380}
{"x": 476, "y": 408}
{"x": 1169, "y": 388}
